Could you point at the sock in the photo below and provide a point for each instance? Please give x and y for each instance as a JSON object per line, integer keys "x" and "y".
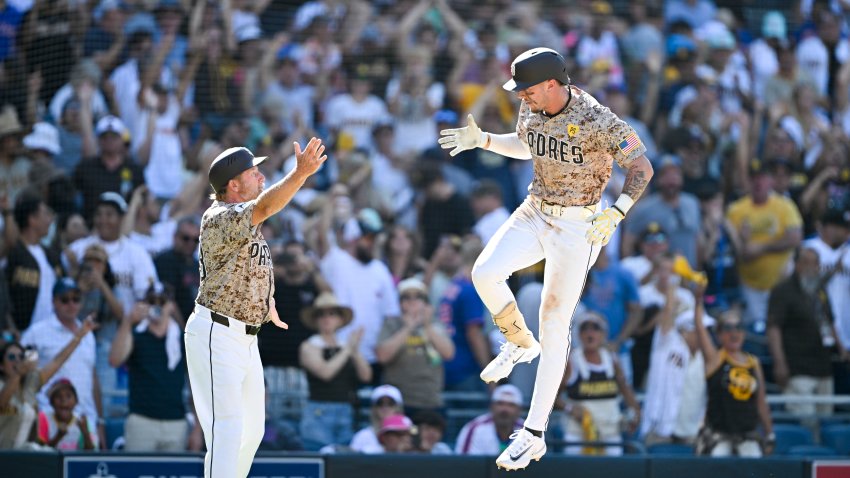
{"x": 537, "y": 433}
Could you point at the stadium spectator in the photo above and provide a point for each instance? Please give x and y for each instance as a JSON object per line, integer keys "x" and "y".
{"x": 96, "y": 282}
{"x": 490, "y": 433}
{"x": 412, "y": 349}
{"x": 462, "y": 313}
{"x": 676, "y": 211}
{"x": 674, "y": 404}
{"x": 440, "y": 196}
{"x": 335, "y": 370}
{"x": 736, "y": 392}
{"x": 486, "y": 201}
{"x": 148, "y": 342}
{"x": 357, "y": 111}
{"x": 801, "y": 334}
{"x": 20, "y": 380}
{"x": 104, "y": 42}
{"x": 430, "y": 430}
{"x": 613, "y": 293}
{"x": 177, "y": 267}
{"x": 359, "y": 279}
{"x": 14, "y": 168}
{"x": 62, "y": 428}
{"x": 111, "y": 171}
{"x": 769, "y": 227}
{"x": 595, "y": 383}
{"x": 719, "y": 249}
{"x": 386, "y": 401}
{"x": 401, "y": 253}
{"x": 297, "y": 283}
{"x": 32, "y": 269}
{"x": 49, "y": 337}
{"x": 653, "y": 242}
{"x": 396, "y": 434}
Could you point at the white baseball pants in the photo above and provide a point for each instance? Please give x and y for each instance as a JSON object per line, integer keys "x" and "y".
{"x": 528, "y": 236}
{"x": 227, "y": 387}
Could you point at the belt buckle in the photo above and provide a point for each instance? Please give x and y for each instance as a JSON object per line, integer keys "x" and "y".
{"x": 550, "y": 208}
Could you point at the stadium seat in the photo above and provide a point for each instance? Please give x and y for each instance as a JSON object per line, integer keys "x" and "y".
{"x": 670, "y": 449}
{"x": 811, "y": 450}
{"x": 312, "y": 445}
{"x": 114, "y": 430}
{"x": 836, "y": 436}
{"x": 788, "y": 436}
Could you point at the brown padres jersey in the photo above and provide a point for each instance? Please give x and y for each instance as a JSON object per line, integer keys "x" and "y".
{"x": 573, "y": 150}
{"x": 236, "y": 268}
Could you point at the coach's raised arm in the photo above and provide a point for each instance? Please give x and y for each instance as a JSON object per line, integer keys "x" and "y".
{"x": 273, "y": 199}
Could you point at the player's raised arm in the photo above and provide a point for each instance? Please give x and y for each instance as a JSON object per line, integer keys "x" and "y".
{"x": 273, "y": 199}
{"x": 471, "y": 137}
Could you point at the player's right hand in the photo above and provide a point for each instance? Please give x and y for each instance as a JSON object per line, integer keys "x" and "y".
{"x": 462, "y": 139}
{"x": 310, "y": 159}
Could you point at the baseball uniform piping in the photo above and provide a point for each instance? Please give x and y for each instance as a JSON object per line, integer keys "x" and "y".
{"x": 212, "y": 401}
{"x": 569, "y": 336}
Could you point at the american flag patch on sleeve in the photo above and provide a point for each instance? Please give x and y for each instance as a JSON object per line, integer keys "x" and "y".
{"x": 629, "y": 144}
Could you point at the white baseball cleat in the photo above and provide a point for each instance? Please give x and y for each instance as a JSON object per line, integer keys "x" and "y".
{"x": 524, "y": 448}
{"x": 510, "y": 354}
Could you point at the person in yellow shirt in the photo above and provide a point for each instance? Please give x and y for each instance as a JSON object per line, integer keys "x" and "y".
{"x": 770, "y": 228}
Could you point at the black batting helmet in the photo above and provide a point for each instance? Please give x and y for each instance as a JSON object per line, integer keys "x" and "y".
{"x": 536, "y": 66}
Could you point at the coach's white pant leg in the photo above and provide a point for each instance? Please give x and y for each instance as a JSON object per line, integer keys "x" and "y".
{"x": 516, "y": 245}
{"x": 254, "y": 403}
{"x": 568, "y": 260}
{"x": 216, "y": 372}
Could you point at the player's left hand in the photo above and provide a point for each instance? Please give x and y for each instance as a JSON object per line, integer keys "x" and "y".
{"x": 602, "y": 226}
{"x": 274, "y": 317}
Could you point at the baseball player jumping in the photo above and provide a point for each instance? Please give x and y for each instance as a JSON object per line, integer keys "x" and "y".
{"x": 572, "y": 140}
{"x": 234, "y": 300}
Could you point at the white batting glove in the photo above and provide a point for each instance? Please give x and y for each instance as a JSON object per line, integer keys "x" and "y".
{"x": 462, "y": 139}
{"x": 603, "y": 225}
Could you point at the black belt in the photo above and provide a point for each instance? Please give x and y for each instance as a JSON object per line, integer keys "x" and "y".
{"x": 220, "y": 319}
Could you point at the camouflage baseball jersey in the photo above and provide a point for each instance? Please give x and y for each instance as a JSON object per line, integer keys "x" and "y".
{"x": 236, "y": 267}
{"x": 573, "y": 151}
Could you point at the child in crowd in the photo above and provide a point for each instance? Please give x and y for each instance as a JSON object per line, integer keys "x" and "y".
{"x": 63, "y": 429}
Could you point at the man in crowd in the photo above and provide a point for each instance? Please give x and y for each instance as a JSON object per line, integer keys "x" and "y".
{"x": 178, "y": 268}
{"x": 489, "y": 434}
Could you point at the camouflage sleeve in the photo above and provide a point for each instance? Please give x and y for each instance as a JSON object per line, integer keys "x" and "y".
{"x": 521, "y": 130}
{"x": 618, "y": 139}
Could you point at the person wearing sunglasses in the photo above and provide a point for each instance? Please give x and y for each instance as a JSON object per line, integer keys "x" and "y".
{"x": 49, "y": 337}
{"x": 736, "y": 390}
{"x": 178, "y": 268}
{"x": 22, "y": 375}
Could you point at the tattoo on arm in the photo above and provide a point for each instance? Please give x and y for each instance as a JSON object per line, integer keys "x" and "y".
{"x": 636, "y": 182}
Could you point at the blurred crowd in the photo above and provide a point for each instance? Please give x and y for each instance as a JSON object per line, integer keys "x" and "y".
{"x": 111, "y": 112}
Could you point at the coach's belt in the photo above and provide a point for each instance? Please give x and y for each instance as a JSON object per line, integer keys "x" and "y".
{"x": 225, "y": 321}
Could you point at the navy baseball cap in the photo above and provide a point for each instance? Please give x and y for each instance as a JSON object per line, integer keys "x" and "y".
{"x": 63, "y": 285}
{"x": 229, "y": 164}
{"x": 536, "y": 66}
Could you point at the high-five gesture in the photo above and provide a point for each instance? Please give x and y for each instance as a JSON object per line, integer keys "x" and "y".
{"x": 462, "y": 139}
{"x": 311, "y": 158}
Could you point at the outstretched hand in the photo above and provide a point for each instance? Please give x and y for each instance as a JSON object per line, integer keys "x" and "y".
{"x": 274, "y": 317}
{"x": 462, "y": 139}
{"x": 311, "y": 158}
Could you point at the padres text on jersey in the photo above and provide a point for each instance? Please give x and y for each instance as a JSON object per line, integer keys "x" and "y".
{"x": 573, "y": 150}
{"x": 236, "y": 266}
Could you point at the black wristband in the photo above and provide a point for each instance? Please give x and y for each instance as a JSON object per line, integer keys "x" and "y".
{"x": 618, "y": 209}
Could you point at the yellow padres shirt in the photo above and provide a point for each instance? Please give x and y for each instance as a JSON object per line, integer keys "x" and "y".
{"x": 236, "y": 267}
{"x": 573, "y": 151}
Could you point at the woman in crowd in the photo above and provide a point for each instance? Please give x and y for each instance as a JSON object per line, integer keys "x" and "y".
{"x": 401, "y": 253}
{"x": 736, "y": 391}
{"x": 334, "y": 372}
{"x": 20, "y": 381}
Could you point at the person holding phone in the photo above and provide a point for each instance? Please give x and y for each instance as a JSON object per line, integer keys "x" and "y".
{"x": 20, "y": 380}
{"x": 149, "y": 342}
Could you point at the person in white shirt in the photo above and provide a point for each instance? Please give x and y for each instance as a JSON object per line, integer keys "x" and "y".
{"x": 814, "y": 52}
{"x": 48, "y": 337}
{"x": 358, "y": 279}
{"x": 833, "y": 249}
{"x": 356, "y": 112}
{"x": 763, "y": 51}
{"x": 675, "y": 399}
{"x": 386, "y": 402}
{"x": 488, "y": 207}
{"x": 489, "y": 434}
{"x": 653, "y": 243}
